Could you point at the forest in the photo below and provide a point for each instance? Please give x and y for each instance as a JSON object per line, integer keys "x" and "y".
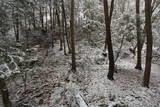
{"x": 79, "y": 53}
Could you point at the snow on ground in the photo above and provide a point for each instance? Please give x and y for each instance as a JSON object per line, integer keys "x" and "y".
{"x": 53, "y": 85}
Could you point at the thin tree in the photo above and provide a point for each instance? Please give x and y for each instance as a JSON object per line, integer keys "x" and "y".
{"x": 34, "y": 18}
{"x": 65, "y": 25}
{"x": 50, "y": 14}
{"x": 51, "y": 22}
{"x": 63, "y": 36}
{"x": 41, "y": 15}
{"x": 72, "y": 37}
{"x": 59, "y": 26}
{"x": 139, "y": 62}
{"x": 109, "y": 40}
{"x": 46, "y": 13}
{"x": 148, "y": 24}
{"x": 110, "y": 19}
{"x": 15, "y": 16}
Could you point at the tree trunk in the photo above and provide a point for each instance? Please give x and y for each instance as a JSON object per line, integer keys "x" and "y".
{"x": 53, "y": 17}
{"x": 154, "y": 7}
{"x": 17, "y": 25}
{"x": 41, "y": 18}
{"x": 46, "y": 19}
{"x": 14, "y": 25}
{"x": 59, "y": 26}
{"x": 139, "y": 65}
{"x": 111, "y": 10}
{"x": 148, "y": 25}
{"x": 72, "y": 37}
{"x": 65, "y": 25}
{"x": 5, "y": 94}
{"x": 110, "y": 18}
{"x": 34, "y": 18}
{"x": 63, "y": 33}
{"x": 26, "y": 31}
{"x": 119, "y": 50}
{"x": 109, "y": 40}
{"x": 50, "y": 14}
{"x": 52, "y": 24}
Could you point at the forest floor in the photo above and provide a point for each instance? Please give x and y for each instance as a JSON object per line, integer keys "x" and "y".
{"x": 52, "y": 84}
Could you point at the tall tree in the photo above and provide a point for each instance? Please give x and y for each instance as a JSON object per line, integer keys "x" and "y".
{"x": 41, "y": 12}
{"x": 110, "y": 19}
{"x": 50, "y": 14}
{"x": 46, "y": 15}
{"x": 16, "y": 21}
{"x": 109, "y": 40}
{"x": 63, "y": 33}
{"x": 148, "y": 25}
{"x": 34, "y": 17}
{"x": 72, "y": 37}
{"x": 59, "y": 27}
{"x": 154, "y": 6}
{"x": 139, "y": 62}
{"x": 65, "y": 25}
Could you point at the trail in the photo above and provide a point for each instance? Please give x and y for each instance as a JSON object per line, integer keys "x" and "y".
{"x": 52, "y": 85}
{"x": 156, "y": 69}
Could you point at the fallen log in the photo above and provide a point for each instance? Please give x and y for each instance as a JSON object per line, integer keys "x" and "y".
{"x": 80, "y": 101}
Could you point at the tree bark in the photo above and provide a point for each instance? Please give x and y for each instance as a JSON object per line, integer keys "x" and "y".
{"x": 41, "y": 18}
{"x": 109, "y": 41}
{"x": 110, "y": 19}
{"x": 72, "y": 37}
{"x": 111, "y": 10}
{"x": 17, "y": 25}
{"x": 59, "y": 26}
{"x": 34, "y": 18}
{"x": 63, "y": 33}
{"x": 50, "y": 14}
{"x": 46, "y": 19}
{"x": 139, "y": 39}
{"x": 65, "y": 25}
{"x": 5, "y": 94}
{"x": 148, "y": 24}
{"x": 154, "y": 7}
